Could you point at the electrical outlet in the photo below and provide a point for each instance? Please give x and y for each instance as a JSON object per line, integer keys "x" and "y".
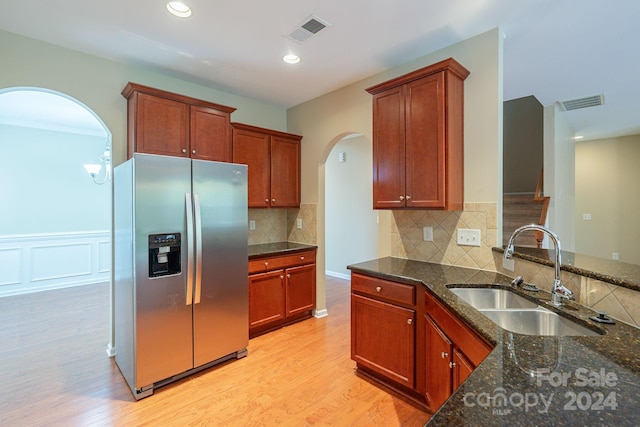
{"x": 615, "y": 255}
{"x": 508, "y": 264}
{"x": 586, "y": 217}
{"x": 299, "y": 223}
{"x": 468, "y": 237}
{"x": 252, "y": 225}
{"x": 427, "y": 234}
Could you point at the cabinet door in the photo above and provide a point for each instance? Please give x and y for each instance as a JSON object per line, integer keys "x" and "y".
{"x": 383, "y": 338}
{"x": 266, "y": 298}
{"x": 301, "y": 289}
{"x": 438, "y": 354}
{"x": 252, "y": 149}
{"x": 161, "y": 126}
{"x": 285, "y": 172}
{"x": 462, "y": 368}
{"x": 210, "y": 135}
{"x": 425, "y": 142}
{"x": 388, "y": 149}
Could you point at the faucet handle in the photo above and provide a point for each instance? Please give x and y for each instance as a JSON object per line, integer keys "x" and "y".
{"x": 564, "y": 292}
{"x": 517, "y": 281}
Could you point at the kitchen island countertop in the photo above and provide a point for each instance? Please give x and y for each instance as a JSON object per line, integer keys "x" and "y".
{"x": 530, "y": 380}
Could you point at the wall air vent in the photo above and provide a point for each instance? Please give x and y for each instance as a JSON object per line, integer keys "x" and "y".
{"x": 309, "y": 27}
{"x": 575, "y": 104}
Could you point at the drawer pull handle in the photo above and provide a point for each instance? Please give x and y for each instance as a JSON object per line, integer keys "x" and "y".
{"x": 445, "y": 355}
{"x": 378, "y": 288}
{"x": 409, "y": 321}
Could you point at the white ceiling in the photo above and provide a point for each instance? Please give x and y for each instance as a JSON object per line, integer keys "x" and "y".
{"x": 554, "y": 49}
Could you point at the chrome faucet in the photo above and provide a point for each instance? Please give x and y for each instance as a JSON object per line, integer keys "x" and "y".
{"x": 559, "y": 290}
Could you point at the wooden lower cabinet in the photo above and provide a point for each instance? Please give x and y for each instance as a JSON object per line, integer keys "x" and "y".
{"x": 453, "y": 351}
{"x": 383, "y": 338}
{"x": 415, "y": 345}
{"x": 282, "y": 290}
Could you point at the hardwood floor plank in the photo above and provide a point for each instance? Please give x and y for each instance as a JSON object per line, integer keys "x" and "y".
{"x": 54, "y": 372}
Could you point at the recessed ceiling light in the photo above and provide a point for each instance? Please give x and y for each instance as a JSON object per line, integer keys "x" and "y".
{"x": 179, "y": 9}
{"x": 291, "y": 58}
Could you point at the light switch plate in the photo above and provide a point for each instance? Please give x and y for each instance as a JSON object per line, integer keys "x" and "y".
{"x": 427, "y": 234}
{"x": 252, "y": 225}
{"x": 468, "y": 237}
{"x": 299, "y": 223}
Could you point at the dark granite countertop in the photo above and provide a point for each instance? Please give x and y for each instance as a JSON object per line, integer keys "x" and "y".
{"x": 531, "y": 380}
{"x": 607, "y": 270}
{"x": 277, "y": 248}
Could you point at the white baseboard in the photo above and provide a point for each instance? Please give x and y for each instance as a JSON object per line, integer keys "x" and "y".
{"x": 318, "y": 314}
{"x": 338, "y": 275}
{"x": 111, "y": 350}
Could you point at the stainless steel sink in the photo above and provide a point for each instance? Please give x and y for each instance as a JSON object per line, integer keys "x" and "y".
{"x": 539, "y": 321}
{"x": 517, "y": 314}
{"x": 490, "y": 298}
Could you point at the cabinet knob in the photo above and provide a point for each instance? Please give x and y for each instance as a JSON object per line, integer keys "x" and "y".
{"x": 401, "y": 198}
{"x": 266, "y": 264}
{"x": 281, "y": 277}
{"x": 445, "y": 355}
{"x": 378, "y": 288}
{"x": 194, "y": 151}
{"x": 452, "y": 364}
{"x": 266, "y": 201}
{"x": 288, "y": 276}
{"x": 409, "y": 321}
{"x": 301, "y": 258}
{"x": 408, "y": 197}
{"x": 184, "y": 150}
{"x": 273, "y": 200}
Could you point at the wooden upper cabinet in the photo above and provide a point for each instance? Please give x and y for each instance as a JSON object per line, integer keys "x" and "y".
{"x": 273, "y": 159}
{"x": 251, "y": 148}
{"x": 169, "y": 124}
{"x": 418, "y": 139}
{"x": 285, "y": 171}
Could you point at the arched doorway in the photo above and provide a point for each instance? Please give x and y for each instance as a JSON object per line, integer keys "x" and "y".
{"x": 351, "y": 229}
{"x": 55, "y": 231}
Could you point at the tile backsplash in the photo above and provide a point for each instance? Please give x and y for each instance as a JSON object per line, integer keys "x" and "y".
{"x": 407, "y": 235}
{"x": 621, "y": 303}
{"x": 280, "y": 225}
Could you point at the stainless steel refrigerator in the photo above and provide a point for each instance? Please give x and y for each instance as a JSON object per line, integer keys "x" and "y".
{"x": 180, "y": 267}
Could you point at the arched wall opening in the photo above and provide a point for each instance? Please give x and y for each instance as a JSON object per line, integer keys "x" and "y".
{"x": 56, "y": 229}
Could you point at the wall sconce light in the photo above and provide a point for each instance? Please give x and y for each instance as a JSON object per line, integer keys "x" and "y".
{"x": 94, "y": 169}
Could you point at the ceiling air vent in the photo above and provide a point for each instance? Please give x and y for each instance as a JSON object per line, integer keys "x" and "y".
{"x": 575, "y": 104}
{"x": 309, "y": 27}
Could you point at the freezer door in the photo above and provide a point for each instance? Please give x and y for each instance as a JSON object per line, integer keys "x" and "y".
{"x": 163, "y": 311}
{"x": 220, "y": 322}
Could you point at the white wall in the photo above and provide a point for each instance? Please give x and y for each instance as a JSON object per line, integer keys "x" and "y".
{"x": 559, "y": 176}
{"x": 608, "y": 188}
{"x": 350, "y": 221}
{"x": 45, "y": 188}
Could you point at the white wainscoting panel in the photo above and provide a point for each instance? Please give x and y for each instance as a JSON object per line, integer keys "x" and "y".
{"x": 38, "y": 262}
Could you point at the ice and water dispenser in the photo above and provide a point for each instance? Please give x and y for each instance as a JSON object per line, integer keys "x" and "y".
{"x": 164, "y": 254}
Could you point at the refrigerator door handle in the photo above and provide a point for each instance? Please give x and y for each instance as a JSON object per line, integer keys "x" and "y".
{"x": 198, "y": 228}
{"x": 189, "y": 213}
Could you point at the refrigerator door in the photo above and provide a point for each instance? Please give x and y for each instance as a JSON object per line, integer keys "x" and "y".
{"x": 220, "y": 321}
{"x": 163, "y": 311}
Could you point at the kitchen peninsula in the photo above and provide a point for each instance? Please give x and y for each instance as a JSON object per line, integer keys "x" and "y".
{"x": 527, "y": 379}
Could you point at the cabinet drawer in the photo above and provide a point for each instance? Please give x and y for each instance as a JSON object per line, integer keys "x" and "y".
{"x": 259, "y": 265}
{"x": 474, "y": 347}
{"x": 379, "y": 288}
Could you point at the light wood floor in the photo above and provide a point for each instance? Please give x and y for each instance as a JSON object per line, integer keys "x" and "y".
{"x": 54, "y": 371}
